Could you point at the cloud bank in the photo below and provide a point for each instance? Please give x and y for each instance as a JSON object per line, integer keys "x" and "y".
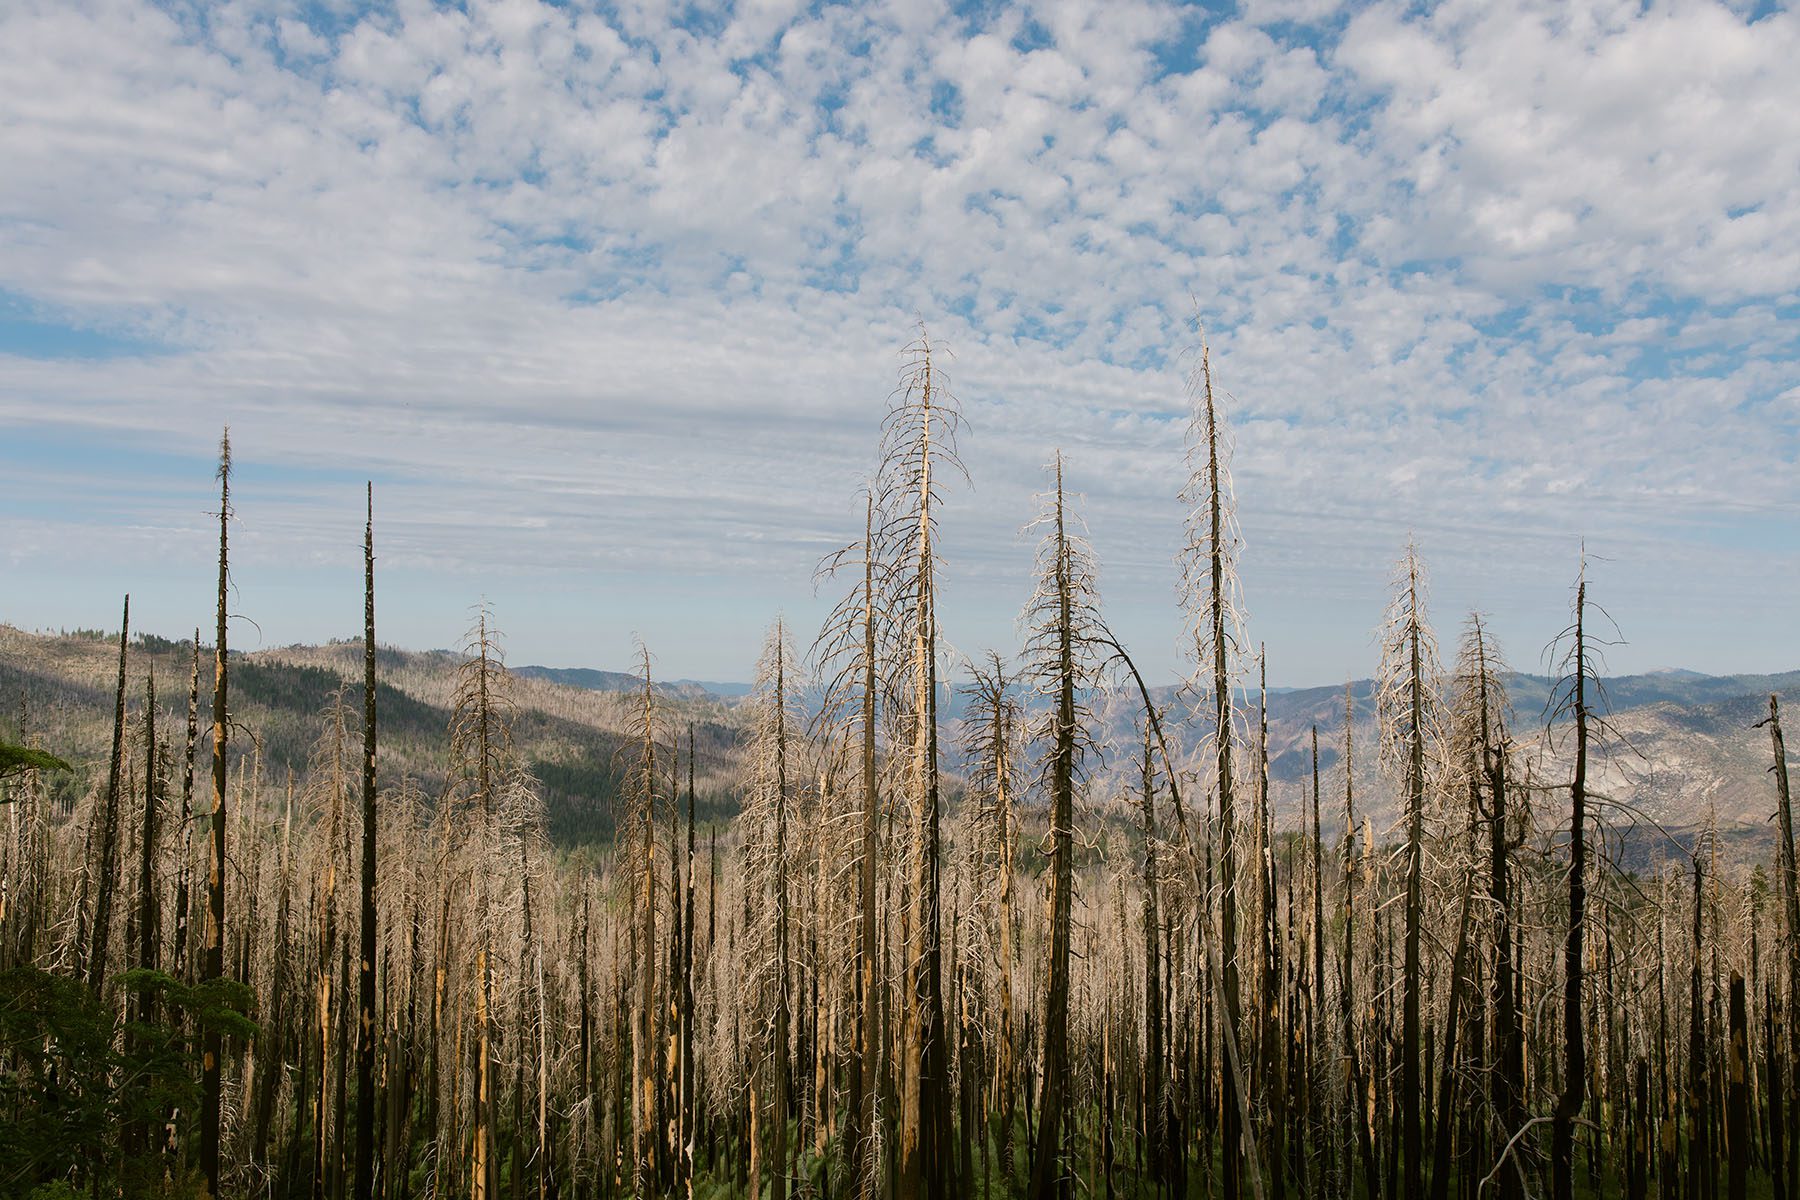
{"x": 607, "y": 301}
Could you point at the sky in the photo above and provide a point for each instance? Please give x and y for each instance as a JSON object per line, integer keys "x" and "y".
{"x": 608, "y": 301}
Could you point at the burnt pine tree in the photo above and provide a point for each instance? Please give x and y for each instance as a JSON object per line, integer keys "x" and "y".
{"x": 847, "y": 651}
{"x": 1209, "y": 591}
{"x": 918, "y": 445}
{"x": 646, "y": 1062}
{"x": 1483, "y": 670}
{"x": 1064, "y": 620}
{"x": 1785, "y": 1146}
{"x": 689, "y": 1101}
{"x": 184, "y": 871}
{"x": 365, "y": 994}
{"x": 1406, "y": 712}
{"x": 1579, "y": 675}
{"x": 149, "y": 910}
{"x": 1269, "y": 983}
{"x": 1156, "y": 1084}
{"x": 326, "y": 1164}
{"x": 481, "y": 749}
{"x": 1356, "y": 1077}
{"x": 1474, "y": 692}
{"x": 109, "y": 826}
{"x": 1315, "y": 1027}
{"x": 767, "y": 814}
{"x": 991, "y": 722}
{"x": 212, "y": 965}
{"x": 147, "y": 919}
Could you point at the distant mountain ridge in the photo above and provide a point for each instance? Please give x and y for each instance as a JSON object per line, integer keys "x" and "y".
{"x": 1686, "y": 744}
{"x": 1681, "y": 748}
{"x": 623, "y": 681}
{"x": 1675, "y": 685}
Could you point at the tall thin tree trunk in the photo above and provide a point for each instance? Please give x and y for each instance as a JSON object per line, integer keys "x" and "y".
{"x": 148, "y": 919}
{"x": 1444, "y": 1122}
{"x": 1155, "y": 1079}
{"x": 1508, "y": 1069}
{"x": 1356, "y": 1077}
{"x": 864, "y": 1081}
{"x": 1269, "y": 986}
{"x": 924, "y": 1150}
{"x": 779, "y": 1103}
{"x": 1231, "y": 1118}
{"x": 107, "y": 884}
{"x": 213, "y": 965}
{"x": 365, "y": 1002}
{"x": 325, "y": 1167}
{"x": 149, "y": 907}
{"x": 689, "y": 1105}
{"x": 272, "y": 1043}
{"x": 1046, "y": 1162}
{"x": 1315, "y": 1033}
{"x": 1568, "y": 1105}
{"x": 1737, "y": 1095}
{"x": 184, "y": 869}
{"x": 1700, "y": 1151}
{"x": 1413, "y": 982}
{"x": 1790, "y": 897}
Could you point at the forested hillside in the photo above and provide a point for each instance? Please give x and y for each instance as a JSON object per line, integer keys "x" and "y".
{"x": 570, "y": 739}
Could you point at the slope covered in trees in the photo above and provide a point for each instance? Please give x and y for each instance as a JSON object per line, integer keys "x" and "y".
{"x": 464, "y": 933}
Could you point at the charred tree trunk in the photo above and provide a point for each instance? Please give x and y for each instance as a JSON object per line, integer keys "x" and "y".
{"x": 1315, "y": 1024}
{"x": 1737, "y": 1095}
{"x": 1410, "y": 1078}
{"x": 1789, "y": 1153}
{"x": 107, "y": 883}
{"x": 213, "y": 964}
{"x": 1155, "y": 1074}
{"x": 365, "y": 1002}
{"x": 689, "y": 1105}
{"x": 1700, "y": 1149}
{"x": 1046, "y": 1161}
{"x": 325, "y": 1165}
{"x": 1232, "y": 1127}
{"x": 1509, "y": 1042}
{"x": 859, "y": 1129}
{"x": 1269, "y": 985}
{"x": 1568, "y": 1105}
{"x": 1356, "y": 1074}
{"x": 149, "y": 906}
{"x": 779, "y": 1091}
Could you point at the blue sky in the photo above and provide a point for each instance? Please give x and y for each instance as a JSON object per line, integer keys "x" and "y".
{"x": 607, "y": 301}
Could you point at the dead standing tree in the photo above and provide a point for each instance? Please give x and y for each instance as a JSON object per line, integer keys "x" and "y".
{"x": 1477, "y": 711}
{"x": 918, "y": 448}
{"x": 1784, "y": 1144}
{"x": 848, "y": 656}
{"x": 365, "y": 1001}
{"x": 1063, "y": 652}
{"x": 774, "y": 765}
{"x": 212, "y": 964}
{"x": 1209, "y": 594}
{"x": 992, "y": 722}
{"x": 481, "y": 751}
{"x": 1407, "y": 704}
{"x": 649, "y": 1154}
{"x": 108, "y": 833}
{"x": 1574, "y": 701}
{"x": 1480, "y": 676}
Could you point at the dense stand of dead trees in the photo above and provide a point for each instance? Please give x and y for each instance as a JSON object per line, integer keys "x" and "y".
{"x": 1067, "y": 969}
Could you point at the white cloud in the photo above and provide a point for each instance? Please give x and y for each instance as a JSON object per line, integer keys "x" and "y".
{"x": 599, "y": 293}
